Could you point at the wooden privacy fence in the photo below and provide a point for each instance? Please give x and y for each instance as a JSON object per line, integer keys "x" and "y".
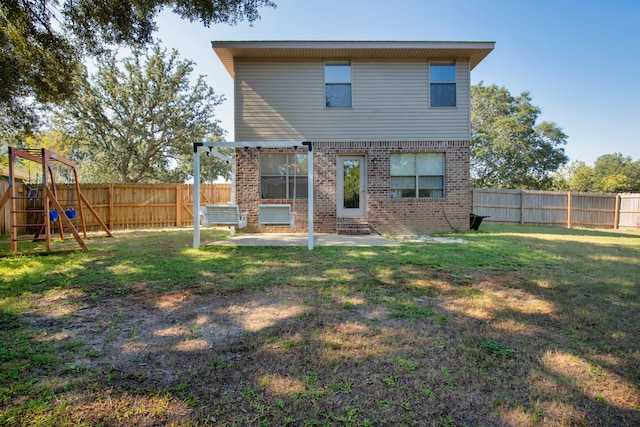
{"x": 124, "y": 206}
{"x": 567, "y": 209}
{"x": 138, "y": 206}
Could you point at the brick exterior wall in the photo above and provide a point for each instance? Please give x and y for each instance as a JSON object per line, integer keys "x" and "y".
{"x": 248, "y": 191}
{"x": 384, "y": 214}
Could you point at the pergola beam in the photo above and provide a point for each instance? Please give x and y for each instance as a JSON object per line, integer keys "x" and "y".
{"x": 249, "y": 144}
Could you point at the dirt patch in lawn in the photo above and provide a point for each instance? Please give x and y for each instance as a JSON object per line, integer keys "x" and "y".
{"x": 140, "y": 331}
{"x": 471, "y": 353}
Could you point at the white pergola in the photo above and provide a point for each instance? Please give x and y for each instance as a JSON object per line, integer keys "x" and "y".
{"x": 209, "y": 146}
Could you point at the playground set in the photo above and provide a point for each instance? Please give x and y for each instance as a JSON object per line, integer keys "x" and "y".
{"x": 38, "y": 204}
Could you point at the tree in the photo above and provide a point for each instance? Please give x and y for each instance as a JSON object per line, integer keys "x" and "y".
{"x": 611, "y": 173}
{"x": 135, "y": 120}
{"x": 615, "y": 173}
{"x": 582, "y": 178}
{"x": 37, "y": 64}
{"x": 42, "y": 42}
{"x": 508, "y": 148}
{"x": 132, "y": 22}
{"x": 577, "y": 176}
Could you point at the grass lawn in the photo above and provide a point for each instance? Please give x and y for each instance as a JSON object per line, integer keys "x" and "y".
{"x": 515, "y": 326}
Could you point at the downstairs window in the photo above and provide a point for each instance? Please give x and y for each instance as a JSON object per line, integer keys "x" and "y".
{"x": 417, "y": 175}
{"x": 280, "y": 172}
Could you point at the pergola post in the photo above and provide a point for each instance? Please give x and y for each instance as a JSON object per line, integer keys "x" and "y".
{"x": 310, "y": 193}
{"x": 196, "y": 196}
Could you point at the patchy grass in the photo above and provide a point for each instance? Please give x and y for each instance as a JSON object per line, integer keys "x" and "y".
{"x": 515, "y": 326}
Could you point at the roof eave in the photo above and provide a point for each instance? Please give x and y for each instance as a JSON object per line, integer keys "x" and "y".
{"x": 228, "y": 51}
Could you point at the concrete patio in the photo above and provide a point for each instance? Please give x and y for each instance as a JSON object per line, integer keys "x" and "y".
{"x": 300, "y": 239}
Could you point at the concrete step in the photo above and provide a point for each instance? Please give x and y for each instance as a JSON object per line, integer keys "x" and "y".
{"x": 353, "y": 226}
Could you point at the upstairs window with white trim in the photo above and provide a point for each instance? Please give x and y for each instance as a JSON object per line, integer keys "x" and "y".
{"x": 417, "y": 175}
{"x": 337, "y": 84}
{"x": 442, "y": 76}
{"x": 280, "y": 173}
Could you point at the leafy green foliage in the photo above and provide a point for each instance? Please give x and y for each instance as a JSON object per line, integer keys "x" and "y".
{"x": 577, "y": 176}
{"x": 615, "y": 173}
{"x": 135, "y": 120}
{"x": 611, "y": 173}
{"x": 509, "y": 149}
{"x": 42, "y": 43}
{"x": 132, "y": 22}
{"x": 37, "y": 63}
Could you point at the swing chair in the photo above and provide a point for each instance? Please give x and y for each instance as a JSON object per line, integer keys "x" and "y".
{"x": 211, "y": 215}
{"x": 280, "y": 214}
{"x": 221, "y": 214}
{"x": 70, "y": 211}
{"x": 30, "y": 193}
{"x": 53, "y": 213}
{"x": 33, "y": 191}
{"x": 276, "y": 214}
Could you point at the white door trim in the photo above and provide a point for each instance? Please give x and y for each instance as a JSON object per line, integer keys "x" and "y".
{"x": 341, "y": 210}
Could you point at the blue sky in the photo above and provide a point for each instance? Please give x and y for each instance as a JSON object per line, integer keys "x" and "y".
{"x": 580, "y": 60}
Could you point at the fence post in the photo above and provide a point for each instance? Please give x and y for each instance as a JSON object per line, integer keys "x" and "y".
{"x": 473, "y": 200}
{"x": 521, "y": 207}
{"x": 110, "y": 195}
{"x": 569, "y": 208}
{"x": 178, "y": 205}
{"x": 616, "y": 216}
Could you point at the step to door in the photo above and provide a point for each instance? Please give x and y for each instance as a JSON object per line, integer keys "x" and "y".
{"x": 353, "y": 226}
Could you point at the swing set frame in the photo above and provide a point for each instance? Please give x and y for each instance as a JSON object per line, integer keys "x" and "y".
{"x": 45, "y": 158}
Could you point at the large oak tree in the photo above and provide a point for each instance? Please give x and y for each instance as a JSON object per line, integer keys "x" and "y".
{"x": 509, "y": 148}
{"x": 135, "y": 119}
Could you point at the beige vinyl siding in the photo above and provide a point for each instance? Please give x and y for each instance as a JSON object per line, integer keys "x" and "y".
{"x": 390, "y": 102}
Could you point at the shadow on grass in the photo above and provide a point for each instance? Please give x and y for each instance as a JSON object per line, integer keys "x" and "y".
{"x": 509, "y": 328}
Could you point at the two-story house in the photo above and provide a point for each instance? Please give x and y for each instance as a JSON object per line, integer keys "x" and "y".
{"x": 389, "y": 122}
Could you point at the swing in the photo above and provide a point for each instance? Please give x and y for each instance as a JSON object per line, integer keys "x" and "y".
{"x": 32, "y": 189}
{"x": 279, "y": 214}
{"x": 53, "y": 213}
{"x": 211, "y": 215}
{"x": 70, "y": 212}
{"x": 32, "y": 194}
{"x": 276, "y": 214}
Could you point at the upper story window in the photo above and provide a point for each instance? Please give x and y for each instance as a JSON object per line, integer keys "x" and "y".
{"x": 442, "y": 75}
{"x": 417, "y": 175}
{"x": 337, "y": 84}
{"x": 283, "y": 176}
